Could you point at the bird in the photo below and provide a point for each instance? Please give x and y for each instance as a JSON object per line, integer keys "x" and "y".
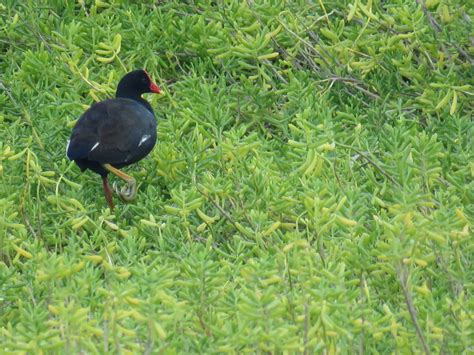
{"x": 115, "y": 133}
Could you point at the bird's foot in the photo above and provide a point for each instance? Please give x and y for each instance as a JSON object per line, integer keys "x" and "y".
{"x": 128, "y": 192}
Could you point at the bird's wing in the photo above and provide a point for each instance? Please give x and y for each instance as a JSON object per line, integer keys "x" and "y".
{"x": 121, "y": 134}
{"x": 110, "y": 133}
{"x": 84, "y": 134}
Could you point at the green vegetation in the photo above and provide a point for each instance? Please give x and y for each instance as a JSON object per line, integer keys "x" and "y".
{"x": 311, "y": 191}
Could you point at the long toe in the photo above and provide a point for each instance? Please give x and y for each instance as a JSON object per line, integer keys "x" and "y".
{"x": 129, "y": 192}
{"x": 116, "y": 188}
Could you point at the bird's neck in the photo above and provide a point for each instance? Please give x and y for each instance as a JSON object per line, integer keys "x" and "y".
{"x": 133, "y": 96}
{"x": 146, "y": 104}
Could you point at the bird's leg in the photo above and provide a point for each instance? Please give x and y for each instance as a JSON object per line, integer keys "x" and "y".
{"x": 128, "y": 192}
{"x": 108, "y": 192}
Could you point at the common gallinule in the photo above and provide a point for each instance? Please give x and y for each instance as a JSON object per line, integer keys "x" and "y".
{"x": 115, "y": 133}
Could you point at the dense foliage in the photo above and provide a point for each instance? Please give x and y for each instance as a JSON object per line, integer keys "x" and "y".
{"x": 312, "y": 188}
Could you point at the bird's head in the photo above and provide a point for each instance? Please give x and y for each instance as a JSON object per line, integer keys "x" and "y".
{"x": 136, "y": 83}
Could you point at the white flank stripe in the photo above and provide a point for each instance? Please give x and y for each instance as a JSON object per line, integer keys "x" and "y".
{"x": 144, "y": 139}
{"x": 95, "y": 146}
{"x": 67, "y": 146}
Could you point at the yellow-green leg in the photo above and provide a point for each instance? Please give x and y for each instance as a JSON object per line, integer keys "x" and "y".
{"x": 128, "y": 192}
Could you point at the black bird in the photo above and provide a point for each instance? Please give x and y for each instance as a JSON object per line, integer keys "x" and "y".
{"x": 115, "y": 133}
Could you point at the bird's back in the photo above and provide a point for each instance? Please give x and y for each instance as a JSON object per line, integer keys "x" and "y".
{"x": 116, "y": 131}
